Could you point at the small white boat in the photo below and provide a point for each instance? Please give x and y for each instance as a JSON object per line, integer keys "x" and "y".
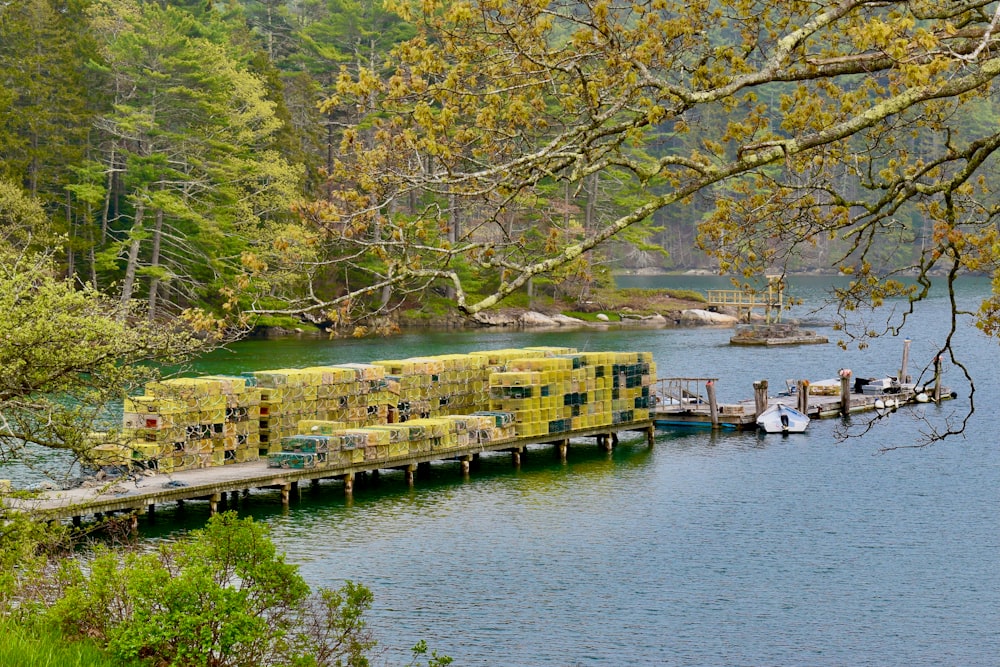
{"x": 780, "y": 418}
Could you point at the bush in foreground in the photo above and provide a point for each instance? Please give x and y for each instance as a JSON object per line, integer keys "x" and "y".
{"x": 222, "y": 597}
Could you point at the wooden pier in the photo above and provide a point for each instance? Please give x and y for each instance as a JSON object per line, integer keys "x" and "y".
{"x": 771, "y": 299}
{"x": 138, "y": 494}
{"x": 680, "y": 403}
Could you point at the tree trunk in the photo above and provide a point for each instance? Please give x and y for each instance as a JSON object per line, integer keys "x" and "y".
{"x": 591, "y": 206}
{"x": 105, "y": 214}
{"x": 154, "y": 262}
{"x": 133, "y": 260}
{"x": 453, "y": 233}
{"x": 70, "y": 252}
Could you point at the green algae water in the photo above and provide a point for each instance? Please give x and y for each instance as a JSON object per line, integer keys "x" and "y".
{"x": 706, "y": 549}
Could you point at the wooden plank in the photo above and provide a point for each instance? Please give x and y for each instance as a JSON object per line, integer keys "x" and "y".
{"x": 135, "y": 495}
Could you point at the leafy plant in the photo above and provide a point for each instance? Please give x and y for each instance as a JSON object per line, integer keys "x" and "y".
{"x": 223, "y": 597}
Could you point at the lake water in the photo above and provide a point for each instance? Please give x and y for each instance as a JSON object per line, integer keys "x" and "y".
{"x": 706, "y": 549}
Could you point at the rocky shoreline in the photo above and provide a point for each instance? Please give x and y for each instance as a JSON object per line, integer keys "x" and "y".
{"x": 530, "y": 319}
{"x": 526, "y": 319}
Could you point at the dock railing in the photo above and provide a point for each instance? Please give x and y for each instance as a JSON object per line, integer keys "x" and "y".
{"x": 683, "y": 395}
{"x": 681, "y": 392}
{"x": 771, "y": 299}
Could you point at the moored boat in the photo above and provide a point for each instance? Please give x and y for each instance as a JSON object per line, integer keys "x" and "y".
{"x": 780, "y": 418}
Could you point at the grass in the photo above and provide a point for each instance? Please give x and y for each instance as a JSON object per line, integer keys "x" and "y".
{"x": 24, "y": 646}
{"x": 284, "y": 322}
{"x": 591, "y": 317}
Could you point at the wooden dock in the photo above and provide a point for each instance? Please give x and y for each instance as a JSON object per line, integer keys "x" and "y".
{"x": 135, "y": 495}
{"x": 680, "y": 404}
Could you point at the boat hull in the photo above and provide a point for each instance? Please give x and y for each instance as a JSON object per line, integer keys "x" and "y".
{"x": 782, "y": 419}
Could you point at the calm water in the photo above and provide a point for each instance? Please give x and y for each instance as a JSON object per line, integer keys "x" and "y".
{"x": 708, "y": 549}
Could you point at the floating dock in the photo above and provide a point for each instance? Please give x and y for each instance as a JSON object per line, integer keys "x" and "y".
{"x": 679, "y": 403}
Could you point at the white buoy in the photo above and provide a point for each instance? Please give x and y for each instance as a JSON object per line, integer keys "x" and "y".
{"x": 879, "y": 404}
{"x": 922, "y": 397}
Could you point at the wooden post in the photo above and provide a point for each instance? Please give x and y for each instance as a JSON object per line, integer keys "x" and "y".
{"x": 604, "y": 440}
{"x": 294, "y": 495}
{"x": 234, "y": 498}
{"x": 903, "y": 378}
{"x": 651, "y": 436}
{"x": 410, "y": 470}
{"x": 759, "y": 397}
{"x": 151, "y": 512}
{"x": 285, "y": 492}
{"x": 515, "y": 457}
{"x": 133, "y": 523}
{"x": 614, "y": 439}
{"x": 803, "y": 392}
{"x": 562, "y": 447}
{"x": 213, "y": 503}
{"x": 466, "y": 464}
{"x": 937, "y": 379}
{"x": 713, "y": 405}
{"x": 845, "y": 391}
{"x": 349, "y": 483}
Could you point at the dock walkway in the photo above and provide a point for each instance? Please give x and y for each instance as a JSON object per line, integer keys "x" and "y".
{"x": 138, "y": 494}
{"x": 696, "y": 410}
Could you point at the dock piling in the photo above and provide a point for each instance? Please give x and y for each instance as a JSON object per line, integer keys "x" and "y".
{"x": 213, "y": 503}
{"x": 937, "y": 379}
{"x": 802, "y": 388}
{"x": 903, "y": 377}
{"x": 845, "y": 391}
{"x": 562, "y": 447}
{"x": 759, "y": 397}
{"x": 713, "y": 405}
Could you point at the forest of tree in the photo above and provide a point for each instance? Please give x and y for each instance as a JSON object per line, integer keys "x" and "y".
{"x": 330, "y": 159}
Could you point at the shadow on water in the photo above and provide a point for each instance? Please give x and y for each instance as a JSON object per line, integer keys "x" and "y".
{"x": 540, "y": 472}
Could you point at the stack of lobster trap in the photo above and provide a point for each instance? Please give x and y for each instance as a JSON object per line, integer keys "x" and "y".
{"x": 349, "y": 414}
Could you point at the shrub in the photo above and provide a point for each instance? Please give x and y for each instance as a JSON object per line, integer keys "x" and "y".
{"x": 224, "y": 597}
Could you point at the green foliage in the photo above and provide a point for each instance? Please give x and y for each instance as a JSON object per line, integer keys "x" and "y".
{"x": 27, "y": 550}
{"x": 282, "y": 322}
{"x": 223, "y": 596}
{"x": 435, "y": 660}
{"x": 67, "y": 352}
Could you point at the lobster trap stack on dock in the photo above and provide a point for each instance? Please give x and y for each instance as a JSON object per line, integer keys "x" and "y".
{"x": 186, "y": 423}
{"x": 568, "y": 392}
{"x": 355, "y": 413}
{"x": 355, "y": 394}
